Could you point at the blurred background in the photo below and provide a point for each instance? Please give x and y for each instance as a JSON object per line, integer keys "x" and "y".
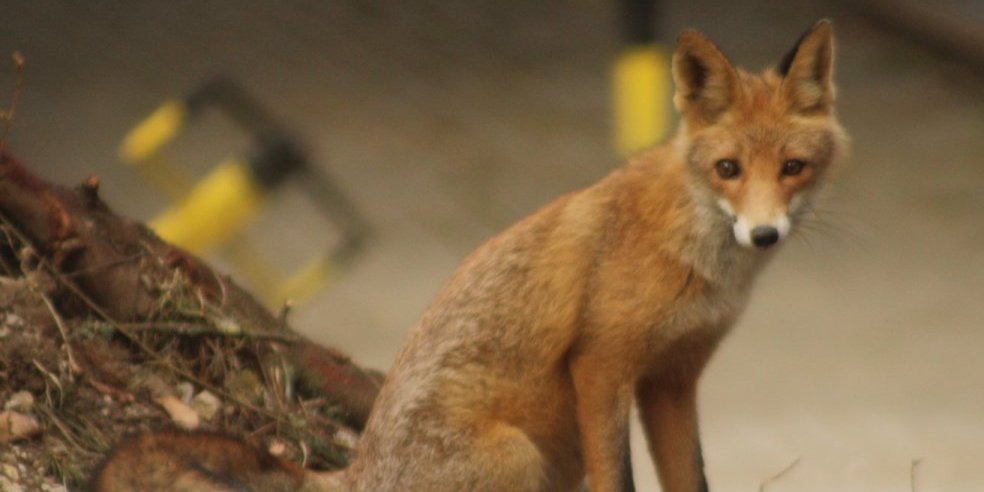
{"x": 441, "y": 123}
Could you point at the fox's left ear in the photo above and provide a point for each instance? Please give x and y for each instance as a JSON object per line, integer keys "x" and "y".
{"x": 807, "y": 71}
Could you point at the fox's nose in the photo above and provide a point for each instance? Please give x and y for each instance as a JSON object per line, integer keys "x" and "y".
{"x": 765, "y": 236}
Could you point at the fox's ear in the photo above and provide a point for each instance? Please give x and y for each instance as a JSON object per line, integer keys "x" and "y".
{"x": 807, "y": 71}
{"x": 705, "y": 80}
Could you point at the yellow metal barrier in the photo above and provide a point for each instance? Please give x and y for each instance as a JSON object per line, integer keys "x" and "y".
{"x": 154, "y": 132}
{"x": 642, "y": 89}
{"x": 641, "y": 80}
{"x": 212, "y": 214}
{"x": 217, "y": 208}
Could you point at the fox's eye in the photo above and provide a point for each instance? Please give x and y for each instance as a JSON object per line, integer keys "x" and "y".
{"x": 793, "y": 167}
{"x": 727, "y": 169}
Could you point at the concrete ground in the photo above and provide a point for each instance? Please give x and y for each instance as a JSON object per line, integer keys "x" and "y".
{"x": 447, "y": 121}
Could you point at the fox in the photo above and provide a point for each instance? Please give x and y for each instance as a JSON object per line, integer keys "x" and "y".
{"x": 522, "y": 372}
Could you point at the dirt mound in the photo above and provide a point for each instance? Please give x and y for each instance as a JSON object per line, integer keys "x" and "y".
{"x": 105, "y": 331}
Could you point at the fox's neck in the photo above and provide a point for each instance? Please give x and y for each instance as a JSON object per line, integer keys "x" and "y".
{"x": 712, "y": 249}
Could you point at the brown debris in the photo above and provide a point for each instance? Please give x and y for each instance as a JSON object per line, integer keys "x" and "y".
{"x": 102, "y": 322}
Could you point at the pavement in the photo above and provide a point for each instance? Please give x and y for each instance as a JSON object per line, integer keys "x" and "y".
{"x": 447, "y": 121}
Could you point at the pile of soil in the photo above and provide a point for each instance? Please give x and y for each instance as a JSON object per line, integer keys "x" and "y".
{"x": 73, "y": 381}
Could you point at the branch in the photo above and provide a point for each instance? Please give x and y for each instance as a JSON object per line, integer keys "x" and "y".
{"x": 779, "y": 475}
{"x": 122, "y": 270}
{"x": 9, "y": 115}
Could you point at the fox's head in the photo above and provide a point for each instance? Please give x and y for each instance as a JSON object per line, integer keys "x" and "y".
{"x": 758, "y": 145}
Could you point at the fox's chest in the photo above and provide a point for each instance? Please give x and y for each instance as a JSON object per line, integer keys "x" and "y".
{"x": 681, "y": 339}
{"x": 726, "y": 274}
{"x": 711, "y": 308}
{"x": 711, "y": 303}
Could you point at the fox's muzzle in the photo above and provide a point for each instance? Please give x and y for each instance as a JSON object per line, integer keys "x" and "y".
{"x": 760, "y": 234}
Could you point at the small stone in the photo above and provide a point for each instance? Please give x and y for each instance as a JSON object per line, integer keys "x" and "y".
{"x": 10, "y": 471}
{"x": 182, "y": 415}
{"x": 156, "y": 386}
{"x": 245, "y": 385}
{"x": 228, "y": 326}
{"x": 15, "y": 425}
{"x": 21, "y": 401}
{"x": 8, "y": 486}
{"x": 13, "y": 321}
{"x": 347, "y": 437}
{"x": 206, "y": 405}
{"x": 277, "y": 448}
{"x": 185, "y": 391}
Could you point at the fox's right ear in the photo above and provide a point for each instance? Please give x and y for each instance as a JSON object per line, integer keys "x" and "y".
{"x": 706, "y": 82}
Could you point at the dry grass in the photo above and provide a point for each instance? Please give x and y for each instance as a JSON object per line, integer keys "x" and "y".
{"x": 94, "y": 379}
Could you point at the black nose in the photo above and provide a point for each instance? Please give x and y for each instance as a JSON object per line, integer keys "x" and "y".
{"x": 765, "y": 236}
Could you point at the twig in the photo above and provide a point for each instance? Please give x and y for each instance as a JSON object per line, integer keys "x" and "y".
{"x": 8, "y": 115}
{"x": 285, "y": 310}
{"x": 197, "y": 329}
{"x": 72, "y": 365}
{"x": 912, "y": 473}
{"x": 9, "y": 269}
{"x": 46, "y": 372}
{"x": 779, "y": 475}
{"x": 65, "y": 431}
{"x": 304, "y": 452}
{"x": 109, "y": 390}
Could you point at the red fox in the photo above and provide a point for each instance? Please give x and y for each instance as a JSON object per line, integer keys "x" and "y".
{"x": 521, "y": 374}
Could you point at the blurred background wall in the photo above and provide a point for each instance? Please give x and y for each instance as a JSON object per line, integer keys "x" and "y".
{"x": 444, "y": 122}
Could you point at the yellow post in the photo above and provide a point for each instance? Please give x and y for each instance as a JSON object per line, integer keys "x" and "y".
{"x": 153, "y": 132}
{"x": 215, "y": 209}
{"x": 641, "y": 80}
{"x": 642, "y": 94}
{"x": 141, "y": 148}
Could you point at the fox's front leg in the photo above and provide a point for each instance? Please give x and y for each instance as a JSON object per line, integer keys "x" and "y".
{"x": 604, "y": 398}
{"x": 669, "y": 417}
